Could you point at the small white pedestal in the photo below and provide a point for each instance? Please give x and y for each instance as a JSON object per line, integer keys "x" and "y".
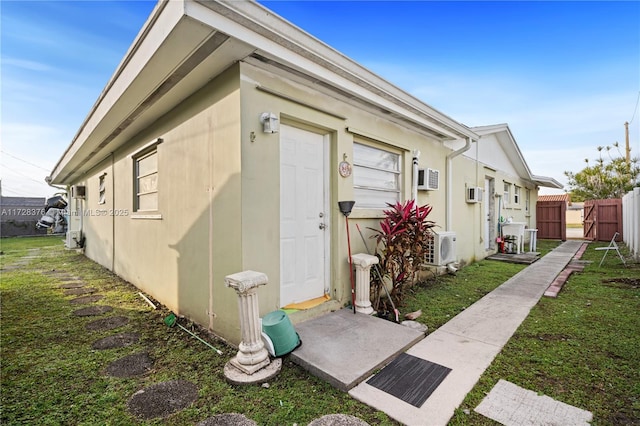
{"x": 363, "y": 263}
{"x": 533, "y": 239}
{"x": 251, "y": 362}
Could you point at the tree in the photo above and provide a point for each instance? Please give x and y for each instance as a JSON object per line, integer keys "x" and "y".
{"x": 607, "y": 178}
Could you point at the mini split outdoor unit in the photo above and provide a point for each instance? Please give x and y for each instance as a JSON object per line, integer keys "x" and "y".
{"x": 474, "y": 194}
{"x": 443, "y": 250}
{"x": 428, "y": 179}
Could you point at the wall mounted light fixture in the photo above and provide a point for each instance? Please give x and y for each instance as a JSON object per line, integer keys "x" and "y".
{"x": 270, "y": 122}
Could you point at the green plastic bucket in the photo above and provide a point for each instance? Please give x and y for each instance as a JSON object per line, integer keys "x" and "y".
{"x": 278, "y": 327}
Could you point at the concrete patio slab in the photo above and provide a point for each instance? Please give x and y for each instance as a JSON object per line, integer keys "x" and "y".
{"x": 344, "y": 348}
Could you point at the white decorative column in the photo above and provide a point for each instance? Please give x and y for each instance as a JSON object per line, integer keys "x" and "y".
{"x": 252, "y": 360}
{"x": 363, "y": 263}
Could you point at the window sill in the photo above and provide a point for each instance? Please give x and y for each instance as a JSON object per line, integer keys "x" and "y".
{"x": 156, "y": 216}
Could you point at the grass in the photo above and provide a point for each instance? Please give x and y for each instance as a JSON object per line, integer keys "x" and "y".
{"x": 51, "y": 376}
{"x": 581, "y": 348}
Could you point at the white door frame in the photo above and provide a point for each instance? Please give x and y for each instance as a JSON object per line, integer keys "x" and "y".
{"x": 324, "y": 219}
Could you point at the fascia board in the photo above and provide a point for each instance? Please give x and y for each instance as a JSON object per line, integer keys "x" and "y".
{"x": 157, "y": 31}
{"x": 278, "y": 39}
{"x": 547, "y": 182}
{"x": 508, "y": 143}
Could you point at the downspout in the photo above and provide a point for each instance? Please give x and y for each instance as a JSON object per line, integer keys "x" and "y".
{"x": 113, "y": 216}
{"x": 449, "y": 195}
{"x": 414, "y": 184}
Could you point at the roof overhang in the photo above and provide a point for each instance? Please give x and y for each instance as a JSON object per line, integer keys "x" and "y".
{"x": 509, "y": 145}
{"x": 186, "y": 43}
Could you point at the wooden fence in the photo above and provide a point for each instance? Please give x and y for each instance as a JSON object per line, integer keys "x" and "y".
{"x": 551, "y": 220}
{"x": 602, "y": 219}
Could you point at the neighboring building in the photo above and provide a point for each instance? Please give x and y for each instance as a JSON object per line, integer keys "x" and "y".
{"x": 575, "y": 211}
{"x": 19, "y": 216}
{"x": 223, "y": 143}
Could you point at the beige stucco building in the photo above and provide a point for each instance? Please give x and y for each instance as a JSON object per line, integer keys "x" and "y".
{"x": 223, "y": 143}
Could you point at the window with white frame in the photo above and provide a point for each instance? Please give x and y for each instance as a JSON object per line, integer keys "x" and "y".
{"x": 527, "y": 200}
{"x": 146, "y": 181}
{"x": 516, "y": 194}
{"x": 376, "y": 176}
{"x": 506, "y": 197}
{"x": 102, "y": 189}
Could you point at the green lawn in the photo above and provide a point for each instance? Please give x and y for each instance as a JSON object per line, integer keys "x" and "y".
{"x": 581, "y": 348}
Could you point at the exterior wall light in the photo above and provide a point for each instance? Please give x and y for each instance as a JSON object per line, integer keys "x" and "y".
{"x": 270, "y": 122}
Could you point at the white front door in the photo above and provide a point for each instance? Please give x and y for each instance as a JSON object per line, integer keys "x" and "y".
{"x": 303, "y": 215}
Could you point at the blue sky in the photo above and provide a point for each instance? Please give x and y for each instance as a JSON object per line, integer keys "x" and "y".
{"x": 565, "y": 76}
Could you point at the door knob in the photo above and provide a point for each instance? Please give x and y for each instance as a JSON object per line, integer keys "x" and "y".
{"x": 322, "y": 226}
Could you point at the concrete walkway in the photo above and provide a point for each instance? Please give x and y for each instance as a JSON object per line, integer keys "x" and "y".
{"x": 470, "y": 341}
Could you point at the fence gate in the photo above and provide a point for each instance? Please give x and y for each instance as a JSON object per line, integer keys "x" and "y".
{"x": 602, "y": 219}
{"x": 551, "y": 220}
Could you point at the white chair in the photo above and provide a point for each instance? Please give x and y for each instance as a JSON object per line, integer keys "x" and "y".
{"x": 612, "y": 246}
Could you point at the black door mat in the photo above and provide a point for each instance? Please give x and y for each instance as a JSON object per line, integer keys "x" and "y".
{"x": 410, "y": 379}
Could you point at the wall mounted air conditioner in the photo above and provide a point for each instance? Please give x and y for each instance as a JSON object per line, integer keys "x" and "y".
{"x": 443, "y": 250}
{"x": 78, "y": 191}
{"x": 474, "y": 194}
{"x": 428, "y": 179}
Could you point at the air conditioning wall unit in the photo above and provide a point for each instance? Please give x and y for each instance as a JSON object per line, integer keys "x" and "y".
{"x": 428, "y": 179}
{"x": 78, "y": 191}
{"x": 443, "y": 250}
{"x": 473, "y": 194}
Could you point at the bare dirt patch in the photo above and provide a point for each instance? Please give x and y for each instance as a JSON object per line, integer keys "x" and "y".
{"x": 116, "y": 341}
{"x": 78, "y": 284}
{"x": 79, "y": 291}
{"x": 130, "y": 366}
{"x": 86, "y": 299}
{"x": 622, "y": 282}
{"x": 92, "y": 311}
{"x": 107, "y": 323}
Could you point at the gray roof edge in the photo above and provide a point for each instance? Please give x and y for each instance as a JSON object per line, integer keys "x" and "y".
{"x": 320, "y": 52}
{"x": 547, "y": 182}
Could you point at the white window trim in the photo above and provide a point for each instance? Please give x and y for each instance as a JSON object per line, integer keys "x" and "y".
{"x": 102, "y": 189}
{"x": 145, "y": 151}
{"x": 374, "y": 212}
{"x": 506, "y": 195}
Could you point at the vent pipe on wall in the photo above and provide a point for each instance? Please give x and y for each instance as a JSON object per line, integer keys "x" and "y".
{"x": 449, "y": 196}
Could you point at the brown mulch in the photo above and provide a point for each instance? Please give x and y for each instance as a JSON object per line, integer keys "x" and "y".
{"x": 162, "y": 399}
{"x": 130, "y": 366}
{"x": 105, "y": 324}
{"x": 116, "y": 341}
{"x": 92, "y": 311}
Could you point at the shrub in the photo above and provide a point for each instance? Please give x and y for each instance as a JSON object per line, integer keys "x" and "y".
{"x": 403, "y": 244}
